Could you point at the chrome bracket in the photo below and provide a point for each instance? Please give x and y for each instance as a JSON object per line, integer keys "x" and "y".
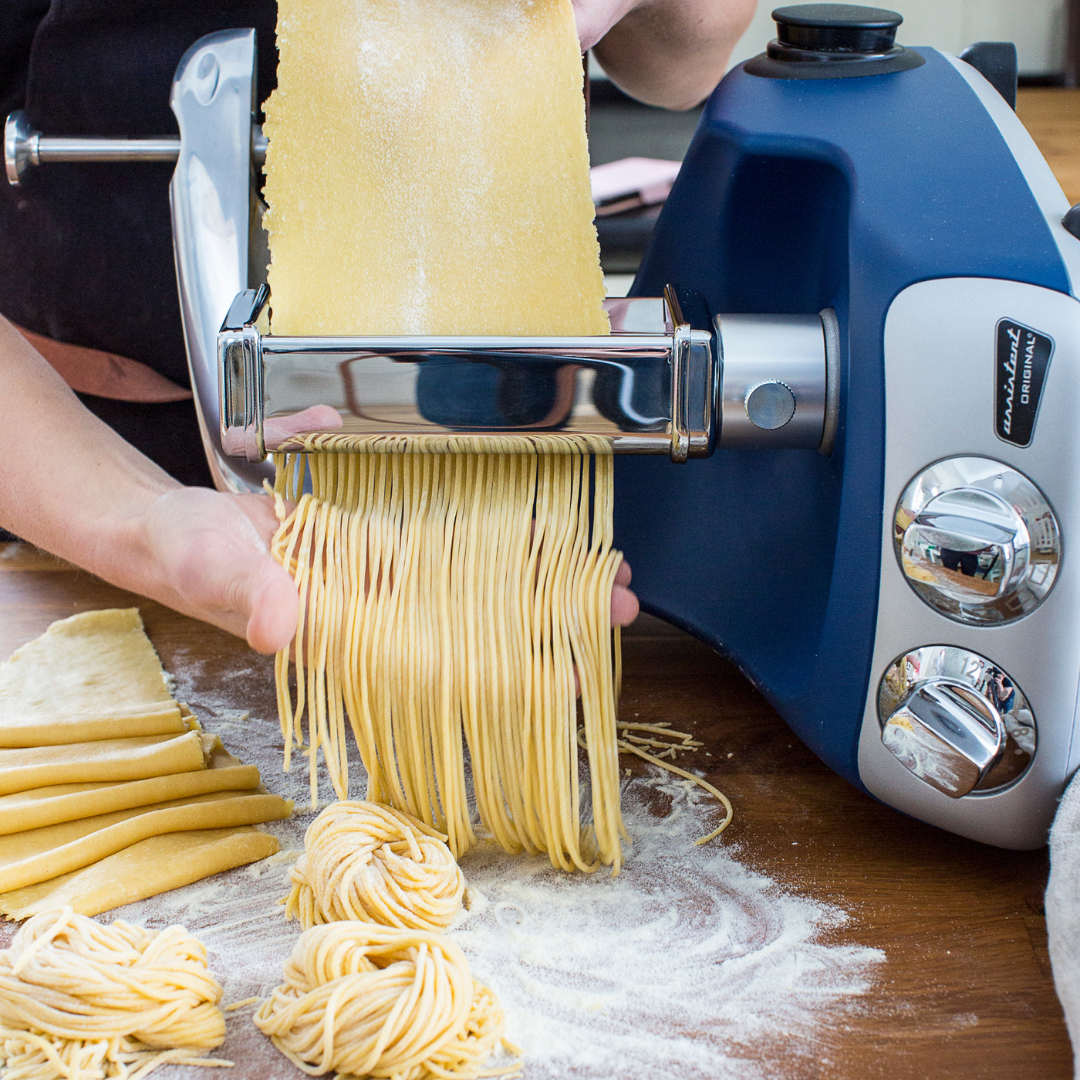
{"x": 644, "y": 392}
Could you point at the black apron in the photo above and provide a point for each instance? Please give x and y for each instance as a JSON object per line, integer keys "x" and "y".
{"x": 86, "y": 250}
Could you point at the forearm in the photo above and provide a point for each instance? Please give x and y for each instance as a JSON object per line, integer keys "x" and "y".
{"x": 68, "y": 482}
{"x": 673, "y": 52}
{"x": 71, "y": 485}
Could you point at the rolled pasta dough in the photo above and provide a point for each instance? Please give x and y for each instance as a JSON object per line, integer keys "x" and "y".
{"x": 34, "y": 809}
{"x": 93, "y": 676}
{"x": 106, "y": 759}
{"x": 450, "y": 193}
{"x": 29, "y": 857}
{"x": 145, "y": 869}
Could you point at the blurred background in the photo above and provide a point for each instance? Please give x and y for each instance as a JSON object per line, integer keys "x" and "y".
{"x": 1047, "y": 38}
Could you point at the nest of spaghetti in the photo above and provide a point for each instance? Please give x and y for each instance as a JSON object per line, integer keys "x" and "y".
{"x": 363, "y": 1000}
{"x": 82, "y": 1001}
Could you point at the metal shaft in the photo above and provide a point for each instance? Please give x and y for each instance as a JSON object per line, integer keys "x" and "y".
{"x": 25, "y": 147}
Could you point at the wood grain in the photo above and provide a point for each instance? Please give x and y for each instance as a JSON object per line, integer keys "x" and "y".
{"x": 966, "y": 991}
{"x": 1053, "y": 118}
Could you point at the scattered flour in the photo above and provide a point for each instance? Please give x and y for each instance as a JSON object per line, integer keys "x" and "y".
{"x": 689, "y": 964}
{"x": 681, "y": 965}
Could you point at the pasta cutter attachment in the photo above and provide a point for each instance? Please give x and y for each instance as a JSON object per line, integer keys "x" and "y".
{"x": 660, "y": 383}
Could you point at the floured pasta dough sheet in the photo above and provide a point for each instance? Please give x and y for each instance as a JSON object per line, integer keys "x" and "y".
{"x": 93, "y": 676}
{"x": 40, "y": 854}
{"x": 38, "y": 807}
{"x": 105, "y": 759}
{"x": 427, "y": 170}
{"x": 145, "y": 869}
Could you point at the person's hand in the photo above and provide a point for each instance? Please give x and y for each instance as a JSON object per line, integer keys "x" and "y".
{"x": 624, "y": 604}
{"x": 211, "y": 557}
{"x": 596, "y": 17}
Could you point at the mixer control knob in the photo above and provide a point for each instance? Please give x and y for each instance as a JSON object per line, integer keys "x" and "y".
{"x": 955, "y": 720}
{"x": 944, "y": 737}
{"x": 833, "y": 41}
{"x": 836, "y": 28}
{"x": 977, "y": 541}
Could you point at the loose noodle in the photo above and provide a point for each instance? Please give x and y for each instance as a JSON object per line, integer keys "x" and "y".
{"x": 370, "y": 862}
{"x": 670, "y": 743}
{"x": 365, "y": 1000}
{"x": 447, "y": 598}
{"x": 82, "y": 1001}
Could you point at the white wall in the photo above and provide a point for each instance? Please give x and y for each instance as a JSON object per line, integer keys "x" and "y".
{"x": 1036, "y": 26}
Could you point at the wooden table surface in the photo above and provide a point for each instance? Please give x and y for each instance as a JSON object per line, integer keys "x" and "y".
{"x": 965, "y": 991}
{"x": 1053, "y": 118}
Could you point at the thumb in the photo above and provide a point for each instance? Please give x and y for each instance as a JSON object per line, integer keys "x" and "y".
{"x": 238, "y": 589}
{"x": 273, "y": 608}
{"x": 211, "y": 561}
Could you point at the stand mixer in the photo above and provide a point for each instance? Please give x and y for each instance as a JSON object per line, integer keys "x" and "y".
{"x": 857, "y": 310}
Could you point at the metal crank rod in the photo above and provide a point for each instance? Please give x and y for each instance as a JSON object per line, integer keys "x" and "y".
{"x": 25, "y": 147}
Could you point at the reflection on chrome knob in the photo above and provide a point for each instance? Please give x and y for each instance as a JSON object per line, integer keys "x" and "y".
{"x": 977, "y": 540}
{"x": 955, "y": 720}
{"x": 945, "y": 736}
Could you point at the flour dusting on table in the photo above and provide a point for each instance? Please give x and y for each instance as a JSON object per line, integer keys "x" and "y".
{"x": 688, "y": 965}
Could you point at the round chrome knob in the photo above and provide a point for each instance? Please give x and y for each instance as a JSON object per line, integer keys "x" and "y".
{"x": 955, "y": 720}
{"x": 977, "y": 540}
{"x": 769, "y": 405}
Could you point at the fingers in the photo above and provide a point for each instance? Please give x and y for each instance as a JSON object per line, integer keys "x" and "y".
{"x": 596, "y": 17}
{"x": 236, "y": 588}
{"x": 624, "y": 606}
{"x": 213, "y": 553}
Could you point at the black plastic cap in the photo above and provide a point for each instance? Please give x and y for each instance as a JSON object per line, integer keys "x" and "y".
{"x": 997, "y": 63}
{"x": 837, "y": 28}
{"x": 850, "y": 15}
{"x": 1071, "y": 221}
{"x": 833, "y": 41}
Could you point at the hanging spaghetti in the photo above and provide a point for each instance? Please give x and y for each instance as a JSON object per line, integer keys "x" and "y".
{"x": 447, "y": 599}
{"x": 447, "y": 596}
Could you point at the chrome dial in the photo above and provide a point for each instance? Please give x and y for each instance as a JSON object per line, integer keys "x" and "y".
{"x": 955, "y": 720}
{"x": 977, "y": 540}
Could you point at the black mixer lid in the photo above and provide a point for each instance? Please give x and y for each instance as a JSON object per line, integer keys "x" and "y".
{"x": 833, "y": 41}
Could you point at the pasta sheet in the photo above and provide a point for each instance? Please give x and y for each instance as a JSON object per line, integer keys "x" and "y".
{"x": 145, "y": 869}
{"x": 29, "y": 857}
{"x": 34, "y": 809}
{"x": 448, "y": 191}
{"x": 93, "y": 676}
{"x": 106, "y": 759}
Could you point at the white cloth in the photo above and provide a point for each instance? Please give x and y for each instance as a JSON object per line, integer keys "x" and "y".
{"x": 1063, "y": 911}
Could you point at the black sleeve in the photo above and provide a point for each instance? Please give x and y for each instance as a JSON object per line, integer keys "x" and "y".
{"x": 86, "y": 249}
{"x": 19, "y": 21}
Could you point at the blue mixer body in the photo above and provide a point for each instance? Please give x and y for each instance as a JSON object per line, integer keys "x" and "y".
{"x": 798, "y": 195}
{"x": 907, "y": 601}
